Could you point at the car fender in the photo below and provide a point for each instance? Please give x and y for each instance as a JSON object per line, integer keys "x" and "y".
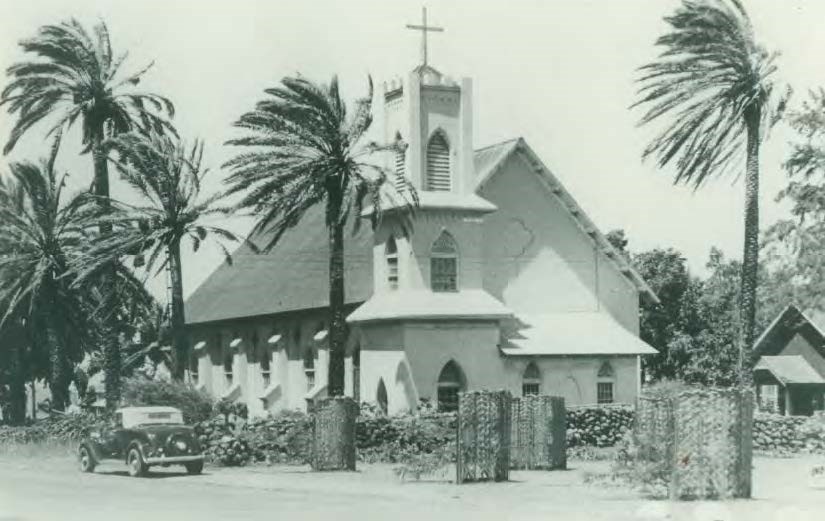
{"x": 93, "y": 448}
{"x": 133, "y": 444}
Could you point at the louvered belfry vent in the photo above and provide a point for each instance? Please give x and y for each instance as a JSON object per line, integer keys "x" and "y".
{"x": 438, "y": 164}
{"x": 400, "y": 184}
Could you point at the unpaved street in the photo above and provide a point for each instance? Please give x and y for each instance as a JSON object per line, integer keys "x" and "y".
{"x": 53, "y": 489}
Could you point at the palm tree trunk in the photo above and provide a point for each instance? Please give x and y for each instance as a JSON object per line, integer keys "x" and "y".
{"x": 750, "y": 257}
{"x": 59, "y": 377}
{"x": 17, "y": 385}
{"x": 337, "y": 325}
{"x": 180, "y": 352}
{"x": 111, "y": 345}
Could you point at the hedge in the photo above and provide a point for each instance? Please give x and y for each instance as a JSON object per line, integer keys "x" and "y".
{"x": 598, "y": 426}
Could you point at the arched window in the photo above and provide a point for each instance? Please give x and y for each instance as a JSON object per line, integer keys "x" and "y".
{"x": 438, "y": 164}
{"x": 381, "y": 396}
{"x": 450, "y": 383}
{"x": 400, "y": 159}
{"x": 264, "y": 356}
{"x": 531, "y": 381}
{"x": 444, "y": 264}
{"x": 193, "y": 366}
{"x": 391, "y": 253}
{"x": 604, "y": 383}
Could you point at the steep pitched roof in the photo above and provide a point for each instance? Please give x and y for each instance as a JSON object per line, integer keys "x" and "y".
{"x": 790, "y": 321}
{"x": 293, "y": 275}
{"x": 489, "y": 162}
{"x": 793, "y": 369}
{"x": 290, "y": 277}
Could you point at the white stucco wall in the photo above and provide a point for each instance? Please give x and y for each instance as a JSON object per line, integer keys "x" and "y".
{"x": 538, "y": 260}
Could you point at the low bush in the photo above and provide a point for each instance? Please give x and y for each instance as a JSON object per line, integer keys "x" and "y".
{"x": 195, "y": 405}
{"x": 598, "y": 426}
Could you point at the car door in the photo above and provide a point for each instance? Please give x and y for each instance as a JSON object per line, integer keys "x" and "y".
{"x": 112, "y": 436}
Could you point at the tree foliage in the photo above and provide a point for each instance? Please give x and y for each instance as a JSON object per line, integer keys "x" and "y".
{"x": 300, "y": 148}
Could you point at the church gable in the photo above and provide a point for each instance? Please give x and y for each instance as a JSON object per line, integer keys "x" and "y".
{"x": 541, "y": 253}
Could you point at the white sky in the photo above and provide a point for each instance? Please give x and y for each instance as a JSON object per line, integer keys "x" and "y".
{"x": 559, "y": 73}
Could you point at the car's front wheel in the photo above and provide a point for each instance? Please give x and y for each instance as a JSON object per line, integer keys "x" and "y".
{"x": 194, "y": 467}
{"x": 134, "y": 460}
{"x": 87, "y": 461}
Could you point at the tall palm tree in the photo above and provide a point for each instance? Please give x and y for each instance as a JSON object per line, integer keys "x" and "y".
{"x": 167, "y": 175}
{"x": 302, "y": 148}
{"x": 39, "y": 237}
{"x": 714, "y": 83}
{"x": 75, "y": 77}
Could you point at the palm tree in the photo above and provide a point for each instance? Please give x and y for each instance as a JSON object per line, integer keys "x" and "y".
{"x": 302, "y": 149}
{"x": 39, "y": 238}
{"x": 76, "y": 77}
{"x": 715, "y": 82}
{"x": 168, "y": 178}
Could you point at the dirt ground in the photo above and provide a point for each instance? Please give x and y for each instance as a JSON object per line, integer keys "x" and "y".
{"x": 52, "y": 488}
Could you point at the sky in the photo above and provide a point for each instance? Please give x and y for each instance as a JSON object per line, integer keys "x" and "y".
{"x": 559, "y": 73}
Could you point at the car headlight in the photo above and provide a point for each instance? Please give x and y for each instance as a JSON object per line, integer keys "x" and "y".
{"x": 151, "y": 436}
{"x": 180, "y": 445}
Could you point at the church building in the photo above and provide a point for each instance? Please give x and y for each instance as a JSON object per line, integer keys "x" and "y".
{"x": 501, "y": 282}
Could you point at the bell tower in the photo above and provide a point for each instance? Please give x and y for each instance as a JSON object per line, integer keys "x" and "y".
{"x": 432, "y": 115}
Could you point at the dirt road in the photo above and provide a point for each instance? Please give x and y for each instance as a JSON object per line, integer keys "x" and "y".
{"x": 55, "y": 490}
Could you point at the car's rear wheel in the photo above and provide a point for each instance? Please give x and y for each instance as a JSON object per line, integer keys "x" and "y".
{"x": 137, "y": 467}
{"x": 87, "y": 461}
{"x": 194, "y": 467}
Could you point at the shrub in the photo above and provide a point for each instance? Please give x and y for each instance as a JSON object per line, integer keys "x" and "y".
{"x": 598, "y": 426}
{"x": 195, "y": 405}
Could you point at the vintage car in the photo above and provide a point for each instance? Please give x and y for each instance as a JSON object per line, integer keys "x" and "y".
{"x": 142, "y": 437}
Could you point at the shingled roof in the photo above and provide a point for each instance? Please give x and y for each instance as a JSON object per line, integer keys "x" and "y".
{"x": 293, "y": 275}
{"x": 290, "y": 277}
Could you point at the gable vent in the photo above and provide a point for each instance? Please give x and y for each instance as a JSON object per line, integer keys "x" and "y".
{"x": 438, "y": 164}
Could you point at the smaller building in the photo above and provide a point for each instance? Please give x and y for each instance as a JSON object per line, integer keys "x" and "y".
{"x": 789, "y": 373}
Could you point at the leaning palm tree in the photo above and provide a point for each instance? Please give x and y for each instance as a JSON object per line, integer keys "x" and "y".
{"x": 40, "y": 236}
{"x": 301, "y": 149}
{"x": 714, "y": 81}
{"x": 75, "y": 76}
{"x": 167, "y": 175}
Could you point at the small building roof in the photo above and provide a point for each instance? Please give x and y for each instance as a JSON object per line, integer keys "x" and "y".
{"x": 789, "y": 369}
{"x": 425, "y": 304}
{"x": 786, "y": 324}
{"x": 575, "y": 333}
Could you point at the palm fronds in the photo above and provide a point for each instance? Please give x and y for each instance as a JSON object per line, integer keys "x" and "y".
{"x": 74, "y": 74}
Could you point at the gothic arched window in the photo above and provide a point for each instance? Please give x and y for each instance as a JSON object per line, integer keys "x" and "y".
{"x": 531, "y": 380}
{"x": 444, "y": 264}
{"x": 391, "y": 254}
{"x": 604, "y": 383}
{"x": 450, "y": 382}
{"x": 438, "y": 163}
{"x": 381, "y": 396}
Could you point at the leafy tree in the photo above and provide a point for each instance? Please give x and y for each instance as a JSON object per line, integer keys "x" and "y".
{"x": 301, "y": 148}
{"x": 661, "y": 324}
{"x": 167, "y": 175}
{"x": 39, "y": 236}
{"x": 715, "y": 81}
{"x": 794, "y": 246}
{"x": 73, "y": 75}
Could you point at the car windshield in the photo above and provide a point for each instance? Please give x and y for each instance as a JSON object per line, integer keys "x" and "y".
{"x": 159, "y": 418}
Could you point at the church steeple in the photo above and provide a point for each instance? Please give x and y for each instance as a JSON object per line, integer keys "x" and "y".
{"x": 432, "y": 115}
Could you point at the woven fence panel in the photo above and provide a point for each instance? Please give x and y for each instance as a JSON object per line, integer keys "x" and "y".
{"x": 484, "y": 428}
{"x": 712, "y": 453}
{"x": 654, "y": 429}
{"x": 538, "y": 437}
{"x": 333, "y": 434}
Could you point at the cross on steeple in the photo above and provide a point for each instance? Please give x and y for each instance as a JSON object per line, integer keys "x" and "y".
{"x": 424, "y": 28}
